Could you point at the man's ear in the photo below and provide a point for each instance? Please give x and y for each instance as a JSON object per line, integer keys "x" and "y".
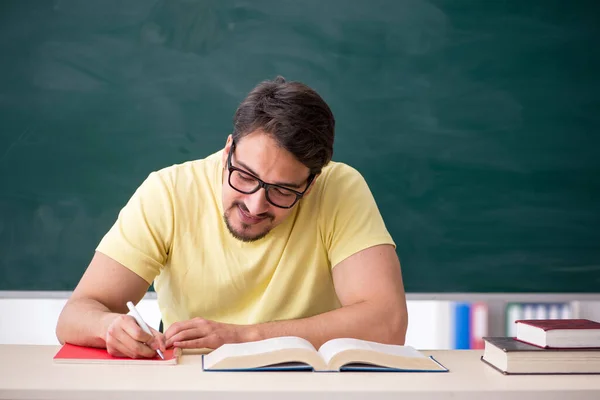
{"x": 226, "y": 150}
{"x": 312, "y": 184}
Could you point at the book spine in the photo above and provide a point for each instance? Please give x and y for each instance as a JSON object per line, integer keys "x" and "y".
{"x": 462, "y": 325}
{"x": 479, "y": 324}
{"x": 513, "y": 312}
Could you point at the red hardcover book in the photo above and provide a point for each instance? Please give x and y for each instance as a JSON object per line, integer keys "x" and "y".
{"x": 479, "y": 324}
{"x": 72, "y": 354}
{"x": 559, "y": 333}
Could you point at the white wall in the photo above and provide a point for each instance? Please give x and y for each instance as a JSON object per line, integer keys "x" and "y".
{"x": 33, "y": 321}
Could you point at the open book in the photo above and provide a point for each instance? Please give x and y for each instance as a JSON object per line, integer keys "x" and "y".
{"x": 294, "y": 353}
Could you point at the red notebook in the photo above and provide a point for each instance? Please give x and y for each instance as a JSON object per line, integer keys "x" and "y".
{"x": 72, "y": 354}
{"x": 559, "y": 333}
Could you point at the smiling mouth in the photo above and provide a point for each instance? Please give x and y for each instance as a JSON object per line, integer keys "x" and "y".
{"x": 247, "y": 218}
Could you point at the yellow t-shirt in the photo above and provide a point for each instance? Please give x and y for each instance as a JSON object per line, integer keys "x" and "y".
{"x": 172, "y": 233}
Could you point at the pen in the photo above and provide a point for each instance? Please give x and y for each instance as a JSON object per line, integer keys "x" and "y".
{"x": 135, "y": 314}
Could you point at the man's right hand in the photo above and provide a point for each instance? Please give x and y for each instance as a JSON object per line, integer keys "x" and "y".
{"x": 96, "y": 313}
{"x": 125, "y": 338}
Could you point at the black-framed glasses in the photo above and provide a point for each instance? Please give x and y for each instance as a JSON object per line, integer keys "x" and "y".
{"x": 245, "y": 182}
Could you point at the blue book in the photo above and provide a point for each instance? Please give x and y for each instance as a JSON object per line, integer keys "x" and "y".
{"x": 292, "y": 353}
{"x": 462, "y": 326}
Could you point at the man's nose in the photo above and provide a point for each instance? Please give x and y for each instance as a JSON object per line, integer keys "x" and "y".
{"x": 257, "y": 202}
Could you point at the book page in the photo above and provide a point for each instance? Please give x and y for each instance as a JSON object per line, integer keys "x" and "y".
{"x": 333, "y": 347}
{"x": 249, "y": 349}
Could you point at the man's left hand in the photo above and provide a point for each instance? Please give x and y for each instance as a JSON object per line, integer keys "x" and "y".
{"x": 200, "y": 333}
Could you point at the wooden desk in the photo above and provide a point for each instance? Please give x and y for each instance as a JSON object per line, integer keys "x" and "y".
{"x": 27, "y": 372}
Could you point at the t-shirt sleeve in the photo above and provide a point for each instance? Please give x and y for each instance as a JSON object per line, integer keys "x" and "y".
{"x": 142, "y": 234}
{"x": 349, "y": 215}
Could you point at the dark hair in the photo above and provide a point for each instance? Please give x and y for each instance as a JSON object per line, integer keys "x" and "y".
{"x": 295, "y": 115}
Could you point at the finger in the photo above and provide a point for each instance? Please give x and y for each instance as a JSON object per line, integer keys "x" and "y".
{"x": 154, "y": 331}
{"x": 174, "y": 328}
{"x": 117, "y": 349}
{"x": 189, "y": 334}
{"x": 126, "y": 332}
{"x": 207, "y": 342}
{"x": 131, "y": 327}
{"x": 158, "y": 342}
{"x": 184, "y": 325}
{"x": 137, "y": 349}
{"x": 114, "y": 346}
{"x": 194, "y": 328}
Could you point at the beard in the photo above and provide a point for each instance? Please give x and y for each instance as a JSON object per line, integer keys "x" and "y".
{"x": 243, "y": 233}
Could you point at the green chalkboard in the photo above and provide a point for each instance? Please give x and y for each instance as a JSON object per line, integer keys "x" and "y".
{"x": 476, "y": 123}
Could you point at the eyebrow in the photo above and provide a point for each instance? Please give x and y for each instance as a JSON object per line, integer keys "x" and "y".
{"x": 291, "y": 185}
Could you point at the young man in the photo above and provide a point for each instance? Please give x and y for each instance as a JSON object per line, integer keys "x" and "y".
{"x": 264, "y": 238}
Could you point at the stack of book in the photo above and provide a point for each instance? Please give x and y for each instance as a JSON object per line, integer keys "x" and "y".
{"x": 547, "y": 346}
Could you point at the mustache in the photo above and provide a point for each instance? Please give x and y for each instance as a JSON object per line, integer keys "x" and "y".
{"x": 243, "y": 207}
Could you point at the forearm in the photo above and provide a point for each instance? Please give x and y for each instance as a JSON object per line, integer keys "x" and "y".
{"x": 84, "y": 322}
{"x": 382, "y": 323}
